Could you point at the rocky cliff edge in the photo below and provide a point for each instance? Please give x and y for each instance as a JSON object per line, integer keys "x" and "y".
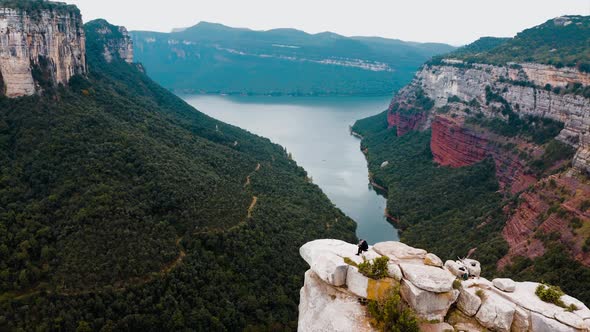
{"x": 334, "y": 294}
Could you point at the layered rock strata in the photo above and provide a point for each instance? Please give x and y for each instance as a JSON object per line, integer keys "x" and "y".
{"x": 40, "y": 45}
{"x": 528, "y": 88}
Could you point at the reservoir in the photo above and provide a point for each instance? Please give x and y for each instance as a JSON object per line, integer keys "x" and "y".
{"x": 315, "y": 130}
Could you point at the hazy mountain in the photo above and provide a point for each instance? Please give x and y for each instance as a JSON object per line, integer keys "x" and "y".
{"x": 214, "y": 58}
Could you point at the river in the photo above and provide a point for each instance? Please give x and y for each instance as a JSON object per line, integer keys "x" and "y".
{"x": 315, "y": 130}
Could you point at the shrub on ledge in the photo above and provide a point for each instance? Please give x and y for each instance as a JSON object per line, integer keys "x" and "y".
{"x": 375, "y": 269}
{"x": 390, "y": 313}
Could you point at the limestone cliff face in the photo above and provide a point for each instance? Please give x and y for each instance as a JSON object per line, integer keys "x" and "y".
{"x": 469, "y": 84}
{"x": 334, "y": 293}
{"x": 117, "y": 43}
{"x": 37, "y": 47}
{"x": 459, "y": 91}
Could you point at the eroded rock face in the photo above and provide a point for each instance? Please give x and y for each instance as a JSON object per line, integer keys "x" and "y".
{"x": 118, "y": 43}
{"x": 50, "y": 41}
{"x": 496, "y": 313}
{"x": 326, "y": 308}
{"x": 456, "y": 145}
{"x": 469, "y": 84}
{"x": 428, "y": 305}
{"x": 474, "y": 305}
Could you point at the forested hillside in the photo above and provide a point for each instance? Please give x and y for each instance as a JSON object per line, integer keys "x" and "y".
{"x": 123, "y": 208}
{"x": 564, "y": 41}
{"x": 213, "y": 58}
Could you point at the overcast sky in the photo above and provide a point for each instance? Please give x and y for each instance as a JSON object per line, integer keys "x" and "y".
{"x": 452, "y": 21}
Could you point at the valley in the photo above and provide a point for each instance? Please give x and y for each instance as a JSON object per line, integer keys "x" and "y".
{"x": 315, "y": 132}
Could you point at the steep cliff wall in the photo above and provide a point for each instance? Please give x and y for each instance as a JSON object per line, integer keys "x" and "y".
{"x": 456, "y": 144}
{"x": 464, "y": 96}
{"x": 519, "y": 86}
{"x": 40, "y": 47}
{"x": 121, "y": 46}
{"x": 552, "y": 207}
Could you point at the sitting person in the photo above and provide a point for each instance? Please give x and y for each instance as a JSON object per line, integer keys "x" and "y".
{"x": 363, "y": 246}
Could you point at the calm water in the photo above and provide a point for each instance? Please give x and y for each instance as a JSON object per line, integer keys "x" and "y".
{"x": 316, "y": 132}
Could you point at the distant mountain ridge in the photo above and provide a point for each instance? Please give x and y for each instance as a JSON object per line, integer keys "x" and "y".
{"x": 214, "y": 58}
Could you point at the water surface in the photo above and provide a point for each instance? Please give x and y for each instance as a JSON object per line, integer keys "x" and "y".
{"x": 316, "y": 132}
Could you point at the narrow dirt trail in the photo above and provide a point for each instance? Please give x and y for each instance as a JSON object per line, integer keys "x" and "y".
{"x": 248, "y": 181}
{"x": 252, "y": 206}
{"x": 169, "y": 267}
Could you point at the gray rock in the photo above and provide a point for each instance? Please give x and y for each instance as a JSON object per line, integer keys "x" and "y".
{"x": 504, "y": 284}
{"x": 432, "y": 260}
{"x": 428, "y": 305}
{"x": 468, "y": 301}
{"x": 24, "y": 38}
{"x": 428, "y": 278}
{"x": 496, "y": 313}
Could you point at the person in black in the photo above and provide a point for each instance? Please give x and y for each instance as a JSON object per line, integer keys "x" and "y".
{"x": 363, "y": 246}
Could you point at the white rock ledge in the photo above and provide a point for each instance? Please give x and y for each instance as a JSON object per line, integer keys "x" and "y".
{"x": 333, "y": 293}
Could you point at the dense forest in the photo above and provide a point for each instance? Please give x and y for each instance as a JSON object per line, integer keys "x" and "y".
{"x": 123, "y": 208}
{"x": 213, "y": 58}
{"x": 563, "y": 41}
{"x": 448, "y": 211}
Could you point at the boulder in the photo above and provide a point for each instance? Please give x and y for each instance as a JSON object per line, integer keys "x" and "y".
{"x": 428, "y": 278}
{"x": 496, "y": 313}
{"x": 541, "y": 323}
{"x": 468, "y": 301}
{"x": 399, "y": 251}
{"x": 326, "y": 259}
{"x": 472, "y": 266}
{"x": 428, "y": 305}
{"x": 356, "y": 282}
{"x": 394, "y": 271}
{"x": 456, "y": 268}
{"x": 504, "y": 284}
{"x": 326, "y": 308}
{"x": 433, "y": 260}
{"x": 313, "y": 249}
{"x": 331, "y": 269}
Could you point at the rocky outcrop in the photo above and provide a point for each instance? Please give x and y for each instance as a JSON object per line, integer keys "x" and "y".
{"x": 433, "y": 293}
{"x": 40, "y": 47}
{"x": 117, "y": 42}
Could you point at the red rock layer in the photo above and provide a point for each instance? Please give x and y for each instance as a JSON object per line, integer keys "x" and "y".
{"x": 532, "y": 216}
{"x": 405, "y": 122}
{"x": 455, "y": 145}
